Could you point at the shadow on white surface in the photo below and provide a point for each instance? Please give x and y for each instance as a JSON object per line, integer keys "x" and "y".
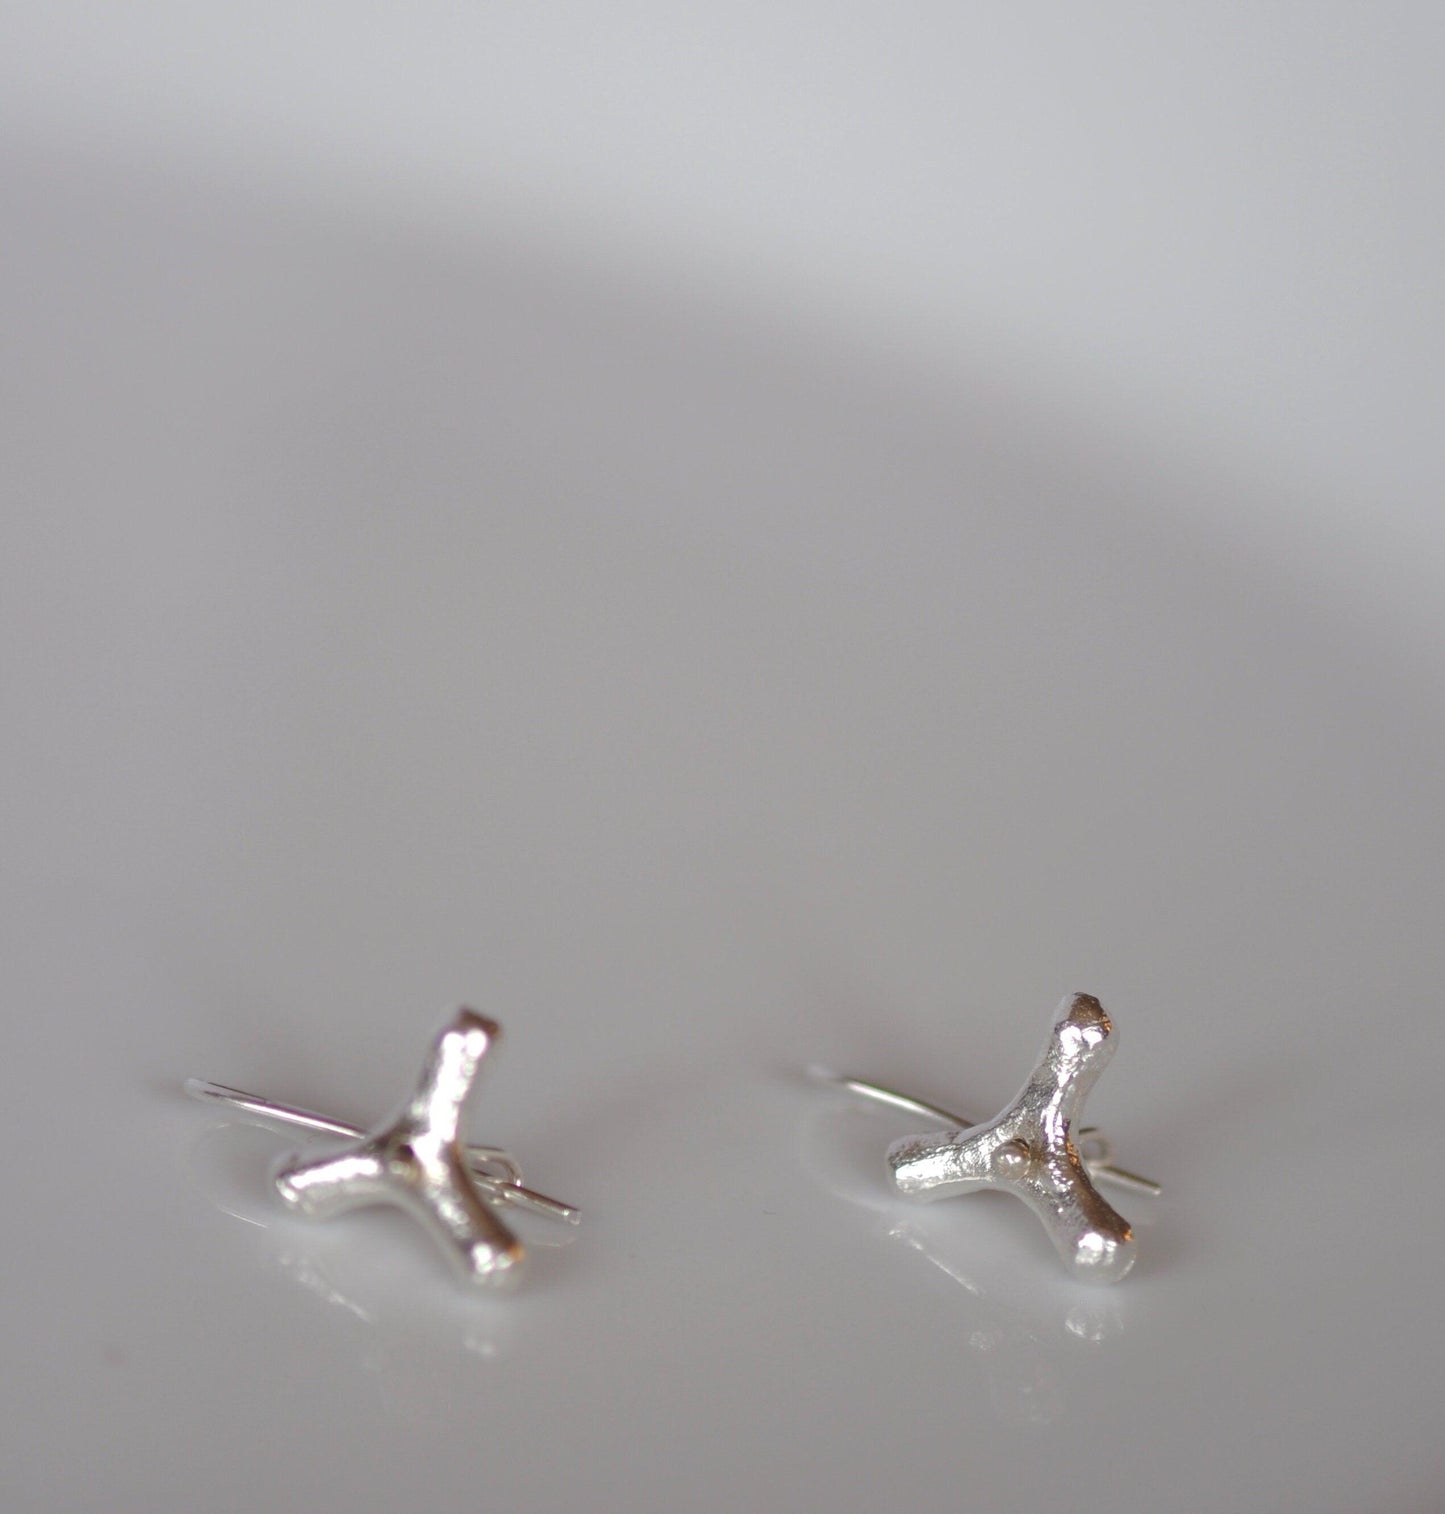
{"x": 376, "y": 1273}
{"x": 1033, "y": 1335}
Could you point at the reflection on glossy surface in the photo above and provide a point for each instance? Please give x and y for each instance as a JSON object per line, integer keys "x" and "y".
{"x": 1027, "y": 1331}
{"x": 1024, "y": 1342}
{"x": 409, "y": 1326}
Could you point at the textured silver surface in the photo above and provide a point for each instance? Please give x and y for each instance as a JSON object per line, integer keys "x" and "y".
{"x": 416, "y": 1161}
{"x": 1028, "y": 1150}
{"x": 494, "y": 1170}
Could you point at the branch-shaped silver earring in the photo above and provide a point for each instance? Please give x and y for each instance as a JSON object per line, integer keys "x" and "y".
{"x": 416, "y": 1160}
{"x": 1029, "y": 1149}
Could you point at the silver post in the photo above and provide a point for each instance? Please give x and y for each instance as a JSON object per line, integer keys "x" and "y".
{"x": 1094, "y": 1150}
{"x": 484, "y": 1161}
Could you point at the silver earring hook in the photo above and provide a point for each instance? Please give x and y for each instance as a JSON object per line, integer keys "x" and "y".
{"x": 482, "y": 1161}
{"x": 1095, "y": 1149}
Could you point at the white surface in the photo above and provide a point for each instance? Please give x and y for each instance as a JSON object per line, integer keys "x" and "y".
{"x": 402, "y": 607}
{"x": 1216, "y": 226}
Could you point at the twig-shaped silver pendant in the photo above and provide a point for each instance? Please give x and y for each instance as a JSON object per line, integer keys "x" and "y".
{"x": 417, "y": 1160}
{"x": 1028, "y": 1150}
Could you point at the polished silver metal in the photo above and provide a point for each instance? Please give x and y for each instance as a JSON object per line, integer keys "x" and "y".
{"x": 1029, "y": 1149}
{"x": 416, "y": 1160}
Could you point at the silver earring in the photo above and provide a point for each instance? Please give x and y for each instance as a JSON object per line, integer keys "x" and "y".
{"x": 416, "y": 1160}
{"x": 1029, "y": 1149}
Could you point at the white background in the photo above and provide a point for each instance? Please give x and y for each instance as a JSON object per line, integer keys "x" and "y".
{"x": 725, "y": 540}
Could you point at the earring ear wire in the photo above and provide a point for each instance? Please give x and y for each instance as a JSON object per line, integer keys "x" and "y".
{"x": 1096, "y": 1151}
{"x": 483, "y": 1161}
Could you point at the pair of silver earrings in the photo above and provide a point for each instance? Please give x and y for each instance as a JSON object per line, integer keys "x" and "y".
{"x": 417, "y": 1160}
